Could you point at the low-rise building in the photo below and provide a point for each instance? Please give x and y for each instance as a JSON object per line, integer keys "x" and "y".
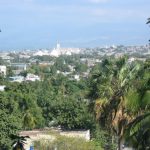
{"x": 2, "y": 87}
{"x": 3, "y": 70}
{"x": 18, "y": 67}
{"x": 16, "y": 79}
{"x": 32, "y": 77}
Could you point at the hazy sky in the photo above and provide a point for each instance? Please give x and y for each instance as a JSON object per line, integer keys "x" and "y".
{"x": 75, "y": 23}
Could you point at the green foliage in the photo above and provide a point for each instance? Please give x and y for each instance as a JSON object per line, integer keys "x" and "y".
{"x": 61, "y": 65}
{"x": 10, "y": 122}
{"x": 133, "y": 101}
{"x": 28, "y": 121}
{"x": 80, "y": 67}
{"x": 119, "y": 90}
{"x": 64, "y": 143}
{"x": 18, "y": 142}
{"x": 146, "y": 100}
{"x": 9, "y": 71}
{"x": 125, "y": 86}
{"x": 137, "y": 133}
{"x": 74, "y": 114}
{"x": 103, "y": 138}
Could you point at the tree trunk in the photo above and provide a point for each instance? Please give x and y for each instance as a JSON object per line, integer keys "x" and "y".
{"x": 120, "y": 143}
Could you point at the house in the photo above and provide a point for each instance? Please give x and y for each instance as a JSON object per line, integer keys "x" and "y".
{"x": 6, "y": 57}
{"x": 18, "y": 67}
{"x": 16, "y": 79}
{"x": 32, "y": 77}
{"x": 2, "y": 88}
{"x": 3, "y": 70}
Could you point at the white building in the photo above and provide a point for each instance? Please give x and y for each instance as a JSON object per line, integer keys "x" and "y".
{"x": 130, "y": 60}
{"x": 32, "y": 77}
{"x": 18, "y": 67}
{"x": 3, "y": 70}
{"x": 41, "y": 53}
{"x": 64, "y": 51}
{"x": 2, "y": 87}
{"x": 77, "y": 77}
{"x": 16, "y": 79}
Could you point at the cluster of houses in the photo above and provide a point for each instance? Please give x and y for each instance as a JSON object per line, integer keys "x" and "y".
{"x": 29, "y": 77}
{"x": 17, "y": 68}
{"x": 17, "y": 78}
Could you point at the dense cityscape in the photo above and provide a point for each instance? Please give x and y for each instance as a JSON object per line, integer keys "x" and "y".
{"x": 89, "y": 57}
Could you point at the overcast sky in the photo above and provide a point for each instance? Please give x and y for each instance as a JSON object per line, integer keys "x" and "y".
{"x": 75, "y": 23}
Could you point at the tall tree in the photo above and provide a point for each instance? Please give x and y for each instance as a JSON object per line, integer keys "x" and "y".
{"x": 111, "y": 108}
{"x": 10, "y": 122}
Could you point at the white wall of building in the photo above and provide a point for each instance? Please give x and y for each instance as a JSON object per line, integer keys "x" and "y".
{"x": 3, "y": 70}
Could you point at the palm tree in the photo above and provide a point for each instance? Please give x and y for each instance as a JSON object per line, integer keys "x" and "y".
{"x": 137, "y": 131}
{"x": 112, "y": 112}
{"x": 18, "y": 142}
{"x": 118, "y": 111}
{"x": 148, "y": 21}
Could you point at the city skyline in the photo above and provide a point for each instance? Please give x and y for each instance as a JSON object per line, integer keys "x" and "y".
{"x": 82, "y": 23}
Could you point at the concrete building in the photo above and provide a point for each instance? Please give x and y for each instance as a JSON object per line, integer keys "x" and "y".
{"x": 2, "y": 87}
{"x": 16, "y": 79}
{"x": 32, "y": 77}
{"x": 18, "y": 67}
{"x": 64, "y": 51}
{"x": 3, "y": 70}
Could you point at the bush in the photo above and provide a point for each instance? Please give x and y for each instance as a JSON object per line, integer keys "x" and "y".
{"x": 65, "y": 143}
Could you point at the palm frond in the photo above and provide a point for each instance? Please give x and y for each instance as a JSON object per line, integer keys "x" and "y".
{"x": 139, "y": 135}
{"x": 148, "y": 21}
{"x": 137, "y": 120}
{"x": 132, "y": 100}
